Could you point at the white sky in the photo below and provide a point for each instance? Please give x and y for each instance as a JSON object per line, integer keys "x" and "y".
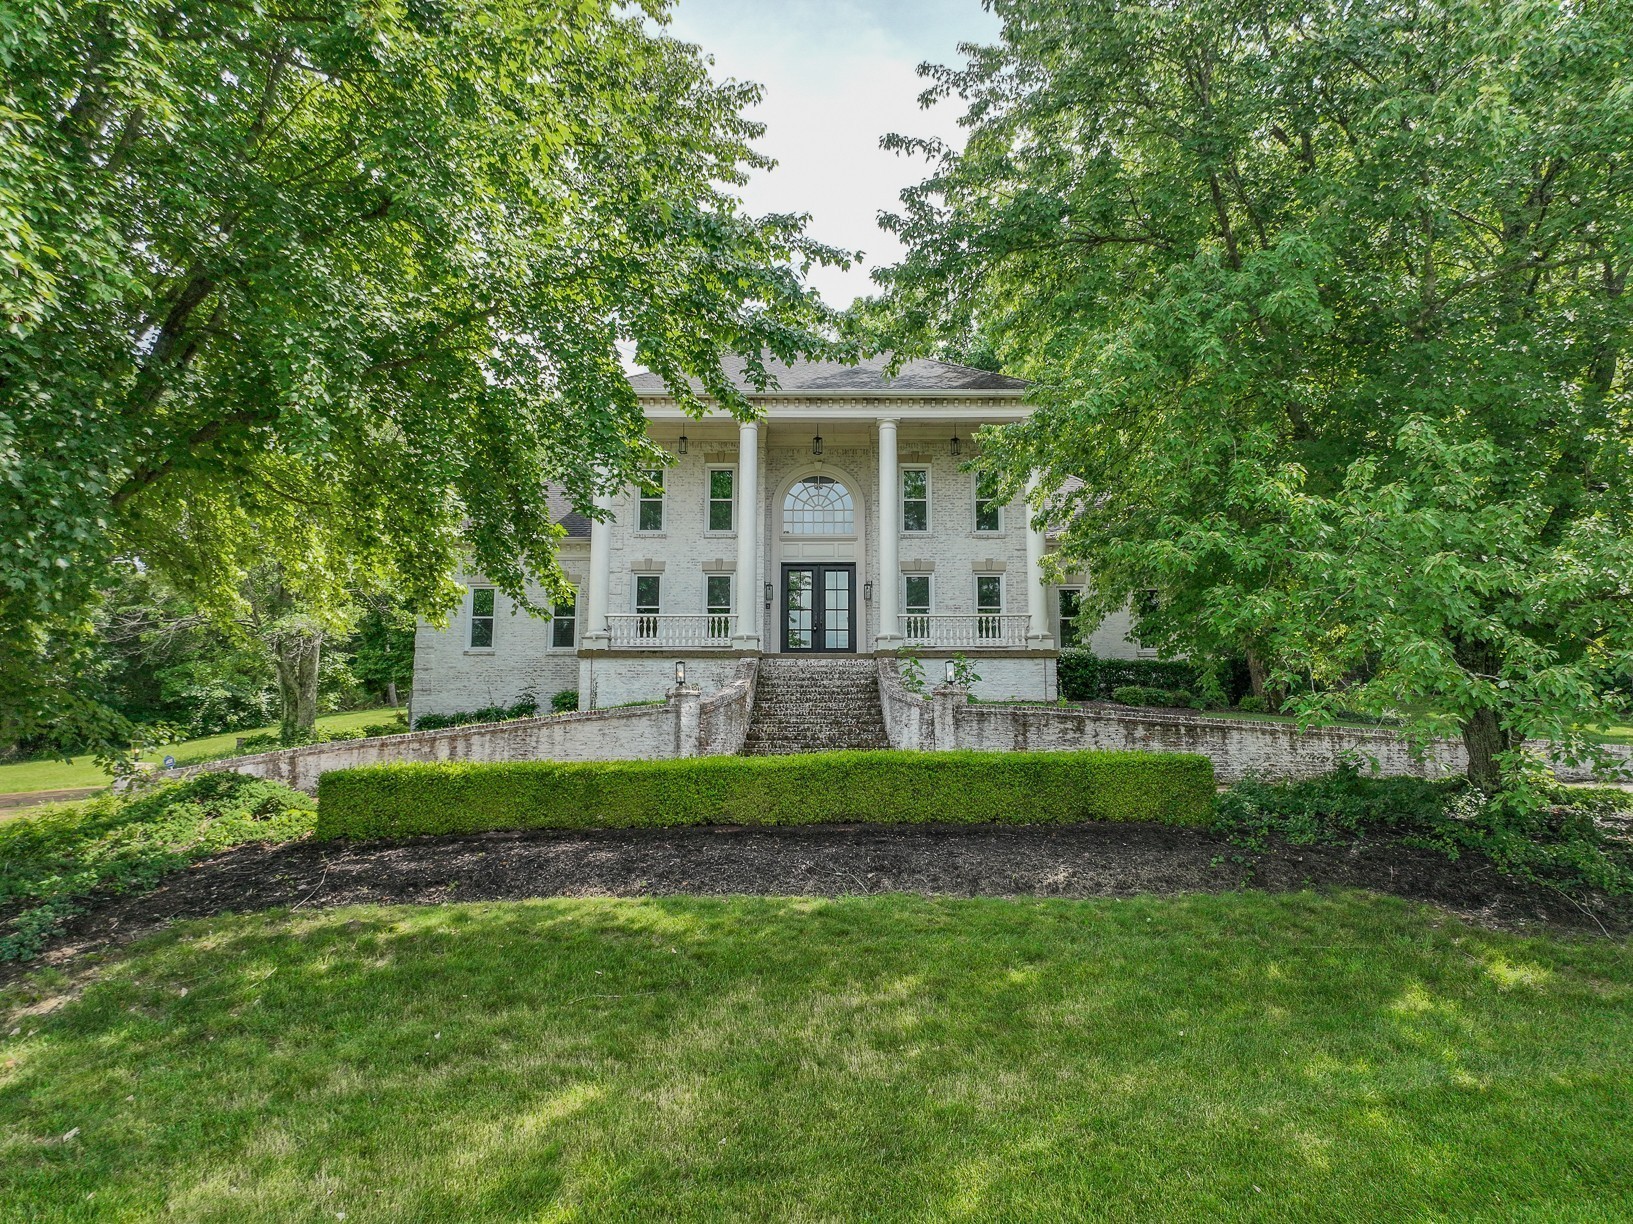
{"x": 838, "y": 75}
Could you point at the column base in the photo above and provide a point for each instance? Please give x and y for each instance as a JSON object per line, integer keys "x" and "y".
{"x": 1040, "y": 641}
{"x": 591, "y": 643}
{"x": 891, "y": 642}
{"x": 746, "y": 642}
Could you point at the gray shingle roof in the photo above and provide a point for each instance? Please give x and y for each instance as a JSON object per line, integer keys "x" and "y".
{"x": 918, "y": 374}
{"x": 561, "y": 511}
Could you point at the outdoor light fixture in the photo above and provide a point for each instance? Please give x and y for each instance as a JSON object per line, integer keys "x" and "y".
{"x": 681, "y": 448}
{"x": 680, "y": 673}
{"x": 950, "y": 672}
{"x": 816, "y": 445}
{"x": 867, "y": 591}
{"x": 958, "y": 445}
{"x": 768, "y": 594}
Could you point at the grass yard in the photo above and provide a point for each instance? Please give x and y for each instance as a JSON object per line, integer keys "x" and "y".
{"x": 24, "y": 776}
{"x": 1234, "y": 1057}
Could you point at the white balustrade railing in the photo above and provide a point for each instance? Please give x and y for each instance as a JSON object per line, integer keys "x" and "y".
{"x": 665, "y": 631}
{"x": 981, "y": 629}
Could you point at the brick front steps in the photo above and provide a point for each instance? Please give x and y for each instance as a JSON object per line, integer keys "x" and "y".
{"x": 815, "y": 705}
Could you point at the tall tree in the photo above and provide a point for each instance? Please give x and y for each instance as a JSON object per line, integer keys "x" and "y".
{"x": 340, "y": 284}
{"x": 1326, "y": 305}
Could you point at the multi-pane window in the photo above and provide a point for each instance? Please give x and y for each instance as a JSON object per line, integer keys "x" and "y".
{"x": 1071, "y": 603}
{"x": 819, "y": 505}
{"x": 916, "y": 607}
{"x": 648, "y": 604}
{"x": 989, "y": 512}
{"x": 989, "y": 606}
{"x": 649, "y": 515}
{"x": 915, "y": 499}
{"x": 717, "y": 596}
{"x": 481, "y": 618}
{"x": 564, "y": 622}
{"x": 721, "y": 503}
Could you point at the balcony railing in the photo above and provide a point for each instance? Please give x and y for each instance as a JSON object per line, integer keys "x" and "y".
{"x": 983, "y": 629}
{"x": 665, "y": 631}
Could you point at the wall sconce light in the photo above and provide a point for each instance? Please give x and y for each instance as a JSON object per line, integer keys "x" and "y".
{"x": 958, "y": 445}
{"x": 816, "y": 445}
{"x": 680, "y": 673}
{"x": 680, "y": 449}
{"x": 768, "y": 594}
{"x": 867, "y": 591}
{"x": 951, "y": 671}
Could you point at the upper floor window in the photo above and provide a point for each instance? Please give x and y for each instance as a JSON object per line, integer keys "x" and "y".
{"x": 649, "y": 515}
{"x": 564, "y": 622}
{"x": 722, "y": 485}
{"x": 819, "y": 505}
{"x": 989, "y": 511}
{"x": 481, "y": 618}
{"x": 915, "y": 499}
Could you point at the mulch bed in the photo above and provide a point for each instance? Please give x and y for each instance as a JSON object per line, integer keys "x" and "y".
{"x": 1109, "y": 860}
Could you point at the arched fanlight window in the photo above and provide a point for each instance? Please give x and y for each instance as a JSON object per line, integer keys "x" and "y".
{"x": 818, "y": 505}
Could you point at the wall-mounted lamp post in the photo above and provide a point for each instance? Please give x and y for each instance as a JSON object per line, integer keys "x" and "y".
{"x": 680, "y": 673}
{"x": 867, "y": 591}
{"x": 951, "y": 671}
{"x": 768, "y": 593}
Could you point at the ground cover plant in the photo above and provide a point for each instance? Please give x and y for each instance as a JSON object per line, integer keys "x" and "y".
{"x": 1236, "y": 1057}
{"x": 811, "y": 788}
{"x": 53, "y": 863}
{"x": 1579, "y": 841}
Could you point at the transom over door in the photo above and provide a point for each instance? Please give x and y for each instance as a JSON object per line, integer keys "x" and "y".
{"x": 819, "y": 609}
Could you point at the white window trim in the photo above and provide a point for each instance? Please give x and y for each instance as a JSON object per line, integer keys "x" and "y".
{"x": 1003, "y": 595}
{"x": 975, "y": 512}
{"x": 709, "y": 500}
{"x": 931, "y": 609}
{"x": 635, "y": 593}
{"x": 929, "y": 498}
{"x": 663, "y": 505}
{"x": 1060, "y": 617}
{"x": 470, "y": 619}
{"x": 573, "y": 645}
{"x": 731, "y": 604}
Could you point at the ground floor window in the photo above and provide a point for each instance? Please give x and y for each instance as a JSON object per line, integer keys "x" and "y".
{"x": 481, "y": 618}
{"x": 916, "y": 606}
{"x": 564, "y": 622}
{"x": 648, "y": 604}
{"x": 989, "y": 606}
{"x": 717, "y": 594}
{"x": 1071, "y": 603}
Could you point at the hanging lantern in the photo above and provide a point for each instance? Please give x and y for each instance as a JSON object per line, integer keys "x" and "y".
{"x": 681, "y": 448}
{"x": 816, "y": 445}
{"x": 958, "y": 445}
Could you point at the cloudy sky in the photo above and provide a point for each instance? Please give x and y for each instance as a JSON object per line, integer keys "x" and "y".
{"x": 838, "y": 74}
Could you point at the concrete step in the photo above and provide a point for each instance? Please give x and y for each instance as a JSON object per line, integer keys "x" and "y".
{"x": 816, "y": 705}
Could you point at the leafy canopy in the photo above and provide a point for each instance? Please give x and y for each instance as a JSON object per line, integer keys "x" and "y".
{"x": 339, "y": 285}
{"x": 1326, "y": 306}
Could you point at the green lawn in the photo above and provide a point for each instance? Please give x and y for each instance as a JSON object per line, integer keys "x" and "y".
{"x": 1240, "y": 1057}
{"x": 82, "y": 771}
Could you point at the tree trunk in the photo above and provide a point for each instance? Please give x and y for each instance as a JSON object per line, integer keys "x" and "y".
{"x": 1485, "y": 738}
{"x": 295, "y": 655}
{"x": 1256, "y": 672}
{"x": 391, "y": 693}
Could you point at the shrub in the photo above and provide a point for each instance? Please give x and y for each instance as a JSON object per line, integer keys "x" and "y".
{"x": 51, "y": 861}
{"x": 1084, "y": 677}
{"x": 1130, "y": 694}
{"x": 872, "y": 787}
{"x": 564, "y": 702}
{"x": 527, "y": 707}
{"x": 1253, "y": 705}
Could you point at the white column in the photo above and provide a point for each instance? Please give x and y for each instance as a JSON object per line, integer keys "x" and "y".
{"x": 596, "y": 636}
{"x": 890, "y": 509}
{"x": 1037, "y": 587}
{"x": 748, "y": 542}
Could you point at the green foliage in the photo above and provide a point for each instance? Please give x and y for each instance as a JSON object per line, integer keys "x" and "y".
{"x": 1083, "y": 677}
{"x": 53, "y": 862}
{"x": 912, "y": 669}
{"x": 269, "y": 740}
{"x": 1576, "y": 842}
{"x": 527, "y": 707}
{"x": 338, "y": 287}
{"x": 564, "y": 702}
{"x": 964, "y": 674}
{"x": 1137, "y": 695}
{"x": 868, "y": 787}
{"x": 382, "y": 649}
{"x": 1254, "y": 705}
{"x": 1326, "y": 307}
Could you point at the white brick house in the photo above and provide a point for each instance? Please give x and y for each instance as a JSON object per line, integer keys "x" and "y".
{"x": 840, "y": 523}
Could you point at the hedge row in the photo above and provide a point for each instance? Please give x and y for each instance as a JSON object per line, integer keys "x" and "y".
{"x": 1083, "y": 677}
{"x": 871, "y": 787}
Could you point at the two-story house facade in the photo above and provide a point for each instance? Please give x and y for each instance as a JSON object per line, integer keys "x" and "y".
{"x": 842, "y": 522}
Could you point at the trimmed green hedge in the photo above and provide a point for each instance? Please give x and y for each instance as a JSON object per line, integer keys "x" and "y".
{"x": 1084, "y": 677}
{"x": 871, "y": 787}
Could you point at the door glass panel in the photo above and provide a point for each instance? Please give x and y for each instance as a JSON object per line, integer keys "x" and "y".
{"x": 801, "y": 617}
{"x": 836, "y": 609}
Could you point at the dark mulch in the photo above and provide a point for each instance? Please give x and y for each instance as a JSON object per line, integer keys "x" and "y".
{"x": 1113, "y": 860}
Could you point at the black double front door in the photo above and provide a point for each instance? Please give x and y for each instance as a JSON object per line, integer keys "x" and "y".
{"x": 819, "y": 609}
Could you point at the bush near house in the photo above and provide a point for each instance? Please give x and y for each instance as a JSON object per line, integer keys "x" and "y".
{"x": 527, "y": 707}
{"x": 1173, "y": 699}
{"x": 1084, "y": 677}
{"x": 871, "y": 787}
